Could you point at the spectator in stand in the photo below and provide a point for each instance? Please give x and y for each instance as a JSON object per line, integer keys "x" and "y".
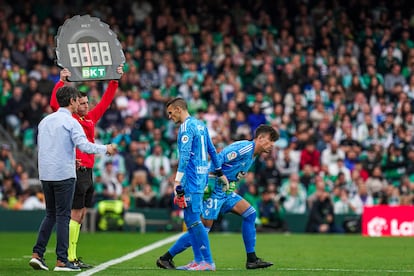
{"x": 340, "y": 169}
{"x": 45, "y": 85}
{"x": 158, "y": 164}
{"x": 316, "y": 90}
{"x": 288, "y": 161}
{"x": 289, "y": 77}
{"x": 169, "y": 87}
{"x": 146, "y": 198}
{"x": 269, "y": 213}
{"x": 332, "y": 154}
{"x": 376, "y": 183}
{"x": 410, "y": 161}
{"x": 32, "y": 201}
{"x": 8, "y": 159}
{"x": 310, "y": 155}
{"x": 11, "y": 193}
{"x": 321, "y": 216}
{"x": 155, "y": 103}
{"x": 394, "y": 77}
{"x": 342, "y": 206}
{"x": 295, "y": 199}
{"x": 206, "y": 66}
{"x": 256, "y": 118}
{"x": 112, "y": 187}
{"x": 138, "y": 179}
{"x": 14, "y": 111}
{"x": 32, "y": 113}
{"x": 269, "y": 174}
{"x": 359, "y": 171}
{"x": 348, "y": 138}
{"x": 372, "y": 158}
{"x": 395, "y": 162}
{"x": 3, "y": 173}
{"x": 361, "y": 199}
{"x": 111, "y": 118}
{"x": 185, "y": 90}
{"x": 307, "y": 176}
{"x": 365, "y": 130}
{"x": 149, "y": 78}
{"x": 137, "y": 106}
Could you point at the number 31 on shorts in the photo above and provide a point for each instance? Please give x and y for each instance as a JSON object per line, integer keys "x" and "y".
{"x": 212, "y": 203}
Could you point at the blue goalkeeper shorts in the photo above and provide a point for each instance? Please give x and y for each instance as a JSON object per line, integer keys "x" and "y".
{"x": 194, "y": 208}
{"x": 215, "y": 205}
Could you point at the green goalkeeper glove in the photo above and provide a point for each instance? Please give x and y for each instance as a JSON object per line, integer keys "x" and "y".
{"x": 209, "y": 188}
{"x": 207, "y": 193}
{"x": 232, "y": 187}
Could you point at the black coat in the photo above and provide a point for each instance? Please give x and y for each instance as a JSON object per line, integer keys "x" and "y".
{"x": 318, "y": 213}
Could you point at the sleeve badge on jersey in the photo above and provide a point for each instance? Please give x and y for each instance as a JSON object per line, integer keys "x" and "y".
{"x": 231, "y": 155}
{"x": 184, "y": 139}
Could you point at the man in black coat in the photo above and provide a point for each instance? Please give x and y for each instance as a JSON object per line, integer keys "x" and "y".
{"x": 321, "y": 216}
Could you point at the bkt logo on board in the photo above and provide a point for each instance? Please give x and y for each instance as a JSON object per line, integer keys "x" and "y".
{"x": 93, "y": 72}
{"x": 89, "y": 49}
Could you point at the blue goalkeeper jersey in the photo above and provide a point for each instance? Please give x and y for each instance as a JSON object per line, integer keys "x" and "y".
{"x": 194, "y": 147}
{"x": 236, "y": 159}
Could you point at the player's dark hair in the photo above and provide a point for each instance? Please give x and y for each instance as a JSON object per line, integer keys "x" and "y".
{"x": 180, "y": 102}
{"x": 65, "y": 94}
{"x": 266, "y": 129}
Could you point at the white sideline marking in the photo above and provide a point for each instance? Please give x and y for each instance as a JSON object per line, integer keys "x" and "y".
{"x": 130, "y": 256}
{"x": 311, "y": 269}
{"x": 347, "y": 270}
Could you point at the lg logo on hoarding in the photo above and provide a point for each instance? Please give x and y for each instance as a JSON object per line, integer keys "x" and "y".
{"x": 377, "y": 225}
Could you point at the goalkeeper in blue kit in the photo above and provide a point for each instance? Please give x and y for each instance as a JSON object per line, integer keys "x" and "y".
{"x": 235, "y": 160}
{"x": 194, "y": 146}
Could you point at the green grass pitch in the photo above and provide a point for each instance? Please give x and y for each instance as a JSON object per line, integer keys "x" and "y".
{"x": 292, "y": 254}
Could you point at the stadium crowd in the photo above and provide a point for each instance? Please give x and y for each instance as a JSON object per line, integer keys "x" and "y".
{"x": 335, "y": 78}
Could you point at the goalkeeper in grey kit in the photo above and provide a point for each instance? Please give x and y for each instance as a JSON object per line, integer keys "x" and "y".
{"x": 235, "y": 160}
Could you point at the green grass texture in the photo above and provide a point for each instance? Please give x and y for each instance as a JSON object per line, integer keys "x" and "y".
{"x": 292, "y": 254}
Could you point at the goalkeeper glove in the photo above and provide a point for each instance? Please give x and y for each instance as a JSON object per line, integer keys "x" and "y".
{"x": 222, "y": 179}
{"x": 232, "y": 187}
{"x": 179, "y": 198}
{"x": 180, "y": 202}
{"x": 207, "y": 192}
{"x": 225, "y": 183}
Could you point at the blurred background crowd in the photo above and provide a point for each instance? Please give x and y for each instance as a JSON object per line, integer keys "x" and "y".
{"x": 335, "y": 78}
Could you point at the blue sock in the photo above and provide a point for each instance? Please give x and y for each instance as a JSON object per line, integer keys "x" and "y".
{"x": 249, "y": 229}
{"x": 181, "y": 244}
{"x": 201, "y": 242}
{"x": 195, "y": 239}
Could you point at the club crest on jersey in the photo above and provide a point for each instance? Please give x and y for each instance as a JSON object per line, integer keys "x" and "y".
{"x": 231, "y": 155}
{"x": 184, "y": 139}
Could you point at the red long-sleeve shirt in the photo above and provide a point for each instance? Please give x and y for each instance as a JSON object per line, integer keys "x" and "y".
{"x": 88, "y": 121}
{"x": 311, "y": 158}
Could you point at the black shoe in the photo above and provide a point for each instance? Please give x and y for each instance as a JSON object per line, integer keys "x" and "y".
{"x": 165, "y": 264}
{"x": 79, "y": 263}
{"x": 259, "y": 263}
